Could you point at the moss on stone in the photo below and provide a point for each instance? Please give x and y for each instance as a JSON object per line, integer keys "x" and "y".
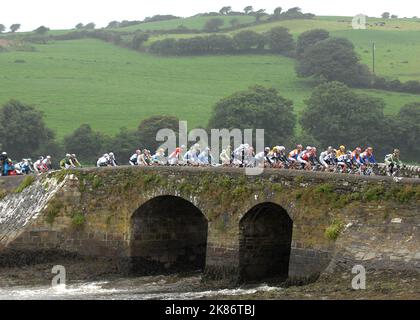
{"x": 28, "y": 181}
{"x": 399, "y": 193}
{"x": 3, "y": 193}
{"x": 299, "y": 179}
{"x": 97, "y": 182}
{"x": 277, "y": 187}
{"x": 152, "y": 179}
{"x": 61, "y": 175}
{"x": 53, "y": 210}
{"x": 324, "y": 188}
{"x": 78, "y": 219}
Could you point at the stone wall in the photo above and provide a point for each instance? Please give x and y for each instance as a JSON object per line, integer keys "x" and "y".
{"x": 337, "y": 219}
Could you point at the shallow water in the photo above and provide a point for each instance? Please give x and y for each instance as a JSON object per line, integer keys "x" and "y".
{"x": 141, "y": 288}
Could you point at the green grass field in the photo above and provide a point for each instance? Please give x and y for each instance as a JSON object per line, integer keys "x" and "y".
{"x": 190, "y": 23}
{"x": 89, "y": 81}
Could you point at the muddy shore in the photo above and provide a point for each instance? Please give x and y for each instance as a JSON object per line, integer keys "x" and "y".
{"x": 388, "y": 285}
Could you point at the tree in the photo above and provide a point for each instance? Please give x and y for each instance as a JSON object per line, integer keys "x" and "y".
{"x": 79, "y": 26}
{"x": 219, "y": 44}
{"x": 42, "y": 30}
{"x": 214, "y": 24}
{"x": 309, "y": 38}
{"x": 87, "y": 144}
{"x": 123, "y": 144}
{"x": 336, "y": 115}
{"x": 333, "y": 59}
{"x": 259, "y": 14}
{"x": 139, "y": 39}
{"x": 280, "y": 40}
{"x": 14, "y": 27}
{"x": 90, "y": 26}
{"x": 113, "y": 25}
{"x": 278, "y": 11}
{"x": 22, "y": 129}
{"x": 149, "y": 127}
{"x": 2, "y": 28}
{"x": 394, "y": 16}
{"x": 256, "y": 108}
{"x": 408, "y": 131}
{"x": 248, "y": 9}
{"x": 248, "y": 39}
{"x": 386, "y": 15}
{"x": 294, "y": 10}
{"x": 225, "y": 10}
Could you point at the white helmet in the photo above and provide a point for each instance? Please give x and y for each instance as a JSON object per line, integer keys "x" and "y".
{"x": 48, "y": 157}
{"x": 111, "y": 154}
{"x": 68, "y": 155}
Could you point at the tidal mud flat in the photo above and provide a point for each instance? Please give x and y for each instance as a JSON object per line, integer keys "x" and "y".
{"x": 93, "y": 279}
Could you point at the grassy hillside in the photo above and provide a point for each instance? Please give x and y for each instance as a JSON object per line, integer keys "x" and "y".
{"x": 397, "y": 49}
{"x": 89, "y": 81}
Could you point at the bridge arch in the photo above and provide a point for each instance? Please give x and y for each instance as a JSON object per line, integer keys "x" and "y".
{"x": 265, "y": 238}
{"x": 168, "y": 234}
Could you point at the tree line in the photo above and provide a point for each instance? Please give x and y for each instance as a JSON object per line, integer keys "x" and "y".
{"x": 13, "y": 28}
{"x": 334, "y": 115}
{"x": 276, "y": 40}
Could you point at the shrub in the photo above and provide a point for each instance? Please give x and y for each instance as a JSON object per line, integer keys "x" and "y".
{"x": 280, "y": 40}
{"x": 78, "y": 219}
{"x": 213, "y": 25}
{"x": 334, "y": 230}
{"x": 248, "y": 39}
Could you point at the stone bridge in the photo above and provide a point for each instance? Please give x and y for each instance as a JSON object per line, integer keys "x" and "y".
{"x": 281, "y": 224}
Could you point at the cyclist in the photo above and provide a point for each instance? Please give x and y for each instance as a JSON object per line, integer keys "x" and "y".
{"x": 393, "y": 163}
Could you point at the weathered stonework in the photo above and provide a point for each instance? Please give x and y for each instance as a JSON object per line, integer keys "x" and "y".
{"x": 94, "y": 214}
